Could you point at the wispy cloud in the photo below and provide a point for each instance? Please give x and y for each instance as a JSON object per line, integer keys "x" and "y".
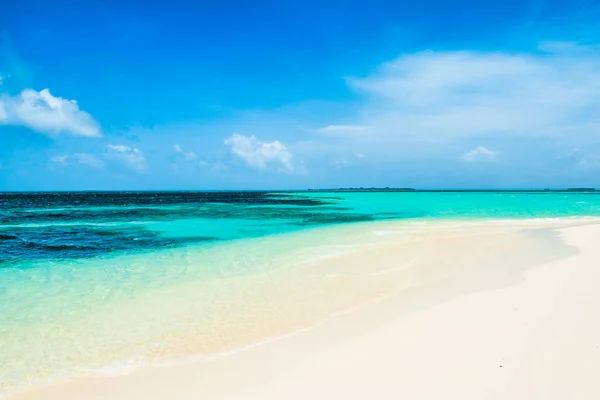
{"x": 186, "y": 156}
{"x": 131, "y": 157}
{"x": 587, "y": 158}
{"x": 88, "y": 159}
{"x": 457, "y": 94}
{"x": 61, "y": 160}
{"x": 333, "y": 129}
{"x": 47, "y": 114}
{"x": 479, "y": 154}
{"x": 12, "y": 65}
{"x": 215, "y": 166}
{"x": 78, "y": 159}
{"x": 3, "y": 114}
{"x": 260, "y": 155}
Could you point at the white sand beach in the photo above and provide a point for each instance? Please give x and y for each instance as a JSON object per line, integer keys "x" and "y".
{"x": 489, "y": 316}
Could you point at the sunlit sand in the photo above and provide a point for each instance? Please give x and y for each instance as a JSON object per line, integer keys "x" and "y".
{"x": 470, "y": 310}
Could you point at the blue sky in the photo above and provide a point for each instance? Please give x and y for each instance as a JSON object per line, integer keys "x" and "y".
{"x": 298, "y": 94}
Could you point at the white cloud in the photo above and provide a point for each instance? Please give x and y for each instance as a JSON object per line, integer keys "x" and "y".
{"x": 78, "y": 159}
{"x": 131, "y": 157}
{"x": 449, "y": 95}
{"x": 479, "y": 154}
{"x": 1, "y": 79}
{"x": 47, "y": 114}
{"x": 359, "y": 155}
{"x": 260, "y": 155}
{"x": 189, "y": 156}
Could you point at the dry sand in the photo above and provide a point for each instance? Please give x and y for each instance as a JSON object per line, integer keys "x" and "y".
{"x": 527, "y": 333}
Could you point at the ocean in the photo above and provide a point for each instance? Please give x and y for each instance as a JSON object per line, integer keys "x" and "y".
{"x": 102, "y": 282}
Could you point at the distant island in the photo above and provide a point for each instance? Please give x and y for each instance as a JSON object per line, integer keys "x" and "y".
{"x": 361, "y": 189}
{"x": 389, "y": 189}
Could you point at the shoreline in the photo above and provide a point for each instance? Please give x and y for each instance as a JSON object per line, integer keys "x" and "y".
{"x": 132, "y": 381}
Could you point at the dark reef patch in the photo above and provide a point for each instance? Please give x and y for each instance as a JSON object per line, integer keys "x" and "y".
{"x": 60, "y": 225}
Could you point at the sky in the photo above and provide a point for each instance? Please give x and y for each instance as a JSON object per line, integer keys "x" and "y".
{"x": 150, "y": 95}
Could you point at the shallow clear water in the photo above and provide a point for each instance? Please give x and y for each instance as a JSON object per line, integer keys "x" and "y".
{"x": 94, "y": 281}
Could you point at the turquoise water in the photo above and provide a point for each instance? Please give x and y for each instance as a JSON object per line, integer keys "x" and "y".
{"x": 101, "y": 281}
{"x": 468, "y": 204}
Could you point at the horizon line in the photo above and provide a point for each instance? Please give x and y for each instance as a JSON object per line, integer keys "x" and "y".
{"x": 350, "y": 189}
